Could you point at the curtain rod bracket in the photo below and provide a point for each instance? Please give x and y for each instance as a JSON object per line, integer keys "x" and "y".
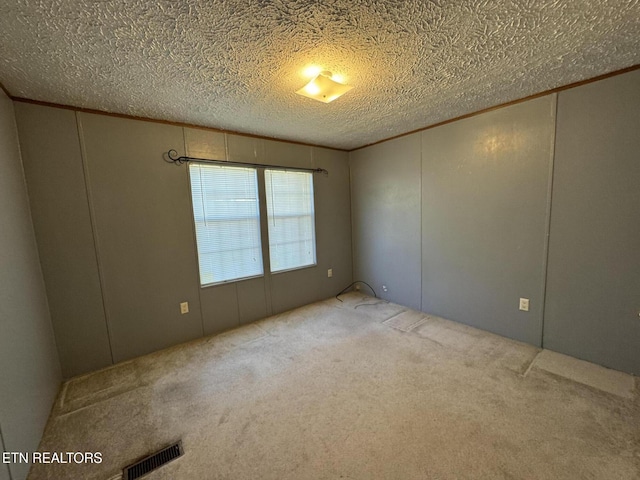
{"x": 182, "y": 159}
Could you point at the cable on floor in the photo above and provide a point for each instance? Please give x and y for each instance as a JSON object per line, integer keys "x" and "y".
{"x": 352, "y": 284}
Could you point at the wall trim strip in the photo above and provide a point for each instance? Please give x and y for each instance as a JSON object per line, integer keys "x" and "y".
{"x": 165, "y": 122}
{"x": 221, "y": 130}
{"x": 507, "y": 104}
{"x": 94, "y": 232}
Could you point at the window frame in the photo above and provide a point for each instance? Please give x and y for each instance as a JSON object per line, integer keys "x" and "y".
{"x": 314, "y": 222}
{"x": 263, "y": 220}
{"x": 259, "y": 218}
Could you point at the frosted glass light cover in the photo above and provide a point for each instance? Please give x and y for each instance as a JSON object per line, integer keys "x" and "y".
{"x": 323, "y": 89}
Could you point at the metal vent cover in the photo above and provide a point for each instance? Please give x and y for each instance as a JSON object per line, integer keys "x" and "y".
{"x": 153, "y": 461}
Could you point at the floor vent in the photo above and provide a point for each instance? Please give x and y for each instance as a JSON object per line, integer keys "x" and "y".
{"x": 150, "y": 463}
{"x": 406, "y": 321}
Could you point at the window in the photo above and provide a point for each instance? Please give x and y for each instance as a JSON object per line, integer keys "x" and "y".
{"x": 290, "y": 219}
{"x": 227, "y": 218}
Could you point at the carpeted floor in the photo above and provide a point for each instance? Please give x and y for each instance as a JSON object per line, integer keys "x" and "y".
{"x": 356, "y": 390}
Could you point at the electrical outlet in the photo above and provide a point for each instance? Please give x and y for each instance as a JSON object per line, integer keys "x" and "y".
{"x": 330, "y": 273}
{"x": 184, "y": 307}
{"x": 357, "y": 288}
{"x": 524, "y": 304}
{"x": 384, "y": 288}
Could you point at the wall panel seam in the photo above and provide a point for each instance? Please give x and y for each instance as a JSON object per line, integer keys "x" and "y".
{"x": 420, "y": 209}
{"x": 353, "y": 251}
{"x": 94, "y": 231}
{"x": 545, "y": 264}
{"x": 193, "y": 230}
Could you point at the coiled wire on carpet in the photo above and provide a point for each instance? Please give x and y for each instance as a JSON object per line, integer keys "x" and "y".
{"x": 351, "y": 285}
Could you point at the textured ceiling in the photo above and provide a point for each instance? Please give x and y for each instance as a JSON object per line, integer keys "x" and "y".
{"x": 236, "y": 64}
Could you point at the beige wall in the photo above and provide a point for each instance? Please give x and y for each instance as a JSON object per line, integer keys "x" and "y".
{"x": 30, "y": 373}
{"x": 592, "y": 308}
{"x": 55, "y": 177}
{"x": 536, "y": 200}
{"x": 452, "y": 220}
{"x": 100, "y": 187}
{"x": 385, "y": 204}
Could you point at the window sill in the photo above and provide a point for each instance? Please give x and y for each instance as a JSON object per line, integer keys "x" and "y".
{"x": 294, "y": 269}
{"x": 235, "y": 280}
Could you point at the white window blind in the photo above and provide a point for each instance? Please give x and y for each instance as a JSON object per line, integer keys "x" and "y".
{"x": 227, "y": 219}
{"x": 291, "y": 219}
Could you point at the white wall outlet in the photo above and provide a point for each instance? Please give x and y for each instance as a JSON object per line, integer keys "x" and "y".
{"x": 384, "y": 288}
{"x": 184, "y": 307}
{"x": 330, "y": 273}
{"x": 524, "y": 304}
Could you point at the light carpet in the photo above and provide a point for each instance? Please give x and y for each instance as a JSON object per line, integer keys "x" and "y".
{"x": 342, "y": 391}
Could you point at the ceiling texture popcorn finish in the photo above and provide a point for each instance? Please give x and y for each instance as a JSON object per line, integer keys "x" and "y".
{"x": 236, "y": 65}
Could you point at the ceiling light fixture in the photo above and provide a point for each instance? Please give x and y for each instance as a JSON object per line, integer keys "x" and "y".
{"x": 324, "y": 88}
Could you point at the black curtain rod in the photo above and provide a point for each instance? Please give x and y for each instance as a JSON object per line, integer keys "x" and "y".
{"x": 175, "y": 158}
